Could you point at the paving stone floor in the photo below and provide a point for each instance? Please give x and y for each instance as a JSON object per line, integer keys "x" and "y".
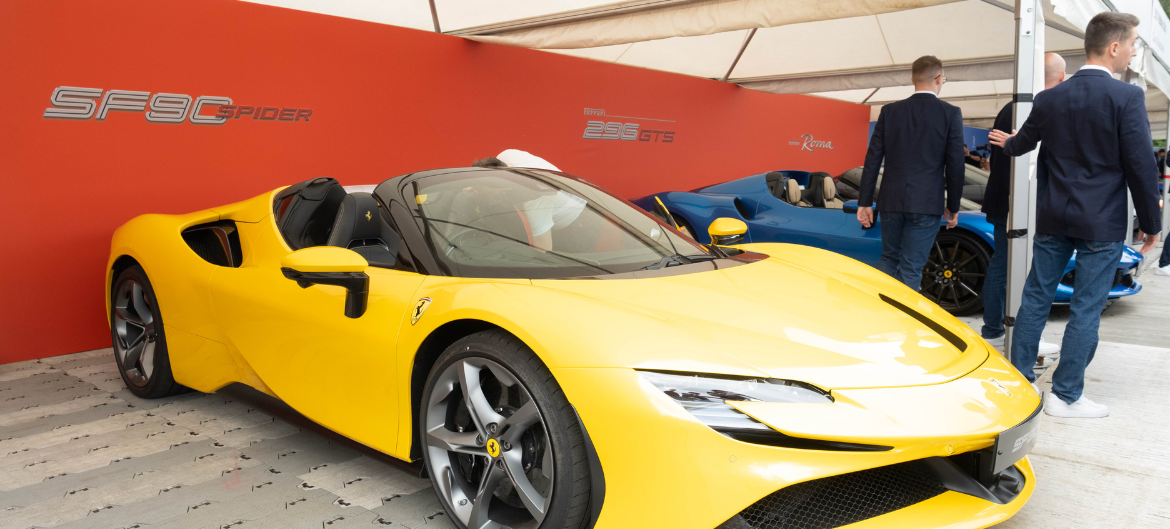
{"x": 77, "y": 450}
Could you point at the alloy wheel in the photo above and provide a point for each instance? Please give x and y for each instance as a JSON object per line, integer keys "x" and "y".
{"x": 487, "y": 447}
{"x": 954, "y": 274}
{"x": 134, "y": 333}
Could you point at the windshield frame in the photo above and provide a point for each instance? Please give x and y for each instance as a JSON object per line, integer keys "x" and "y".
{"x": 395, "y": 195}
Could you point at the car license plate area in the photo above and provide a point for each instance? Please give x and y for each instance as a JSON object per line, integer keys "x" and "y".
{"x": 1014, "y": 443}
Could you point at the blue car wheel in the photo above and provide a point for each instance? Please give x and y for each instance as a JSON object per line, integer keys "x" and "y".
{"x": 954, "y": 273}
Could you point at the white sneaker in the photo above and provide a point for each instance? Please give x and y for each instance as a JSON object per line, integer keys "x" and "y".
{"x": 1163, "y": 271}
{"x": 1082, "y": 408}
{"x": 1048, "y": 349}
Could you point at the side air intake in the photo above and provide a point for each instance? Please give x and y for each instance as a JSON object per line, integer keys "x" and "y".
{"x": 216, "y": 242}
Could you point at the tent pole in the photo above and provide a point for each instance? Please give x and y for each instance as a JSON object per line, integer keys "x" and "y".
{"x": 747, "y": 40}
{"x": 435, "y": 17}
{"x": 1166, "y": 189}
{"x": 1019, "y": 199}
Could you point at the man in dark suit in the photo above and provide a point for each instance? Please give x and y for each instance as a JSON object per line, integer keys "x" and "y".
{"x": 921, "y": 140}
{"x": 1096, "y": 138}
{"x": 995, "y": 206}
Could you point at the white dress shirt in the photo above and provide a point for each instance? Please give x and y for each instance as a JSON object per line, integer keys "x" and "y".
{"x": 925, "y": 92}
{"x": 1097, "y": 67}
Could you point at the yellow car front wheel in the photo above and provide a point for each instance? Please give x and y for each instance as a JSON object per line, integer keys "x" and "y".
{"x": 503, "y": 446}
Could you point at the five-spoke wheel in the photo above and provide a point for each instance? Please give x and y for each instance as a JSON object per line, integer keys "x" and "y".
{"x": 496, "y": 459}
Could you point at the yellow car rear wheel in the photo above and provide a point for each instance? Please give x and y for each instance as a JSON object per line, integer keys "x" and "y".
{"x": 139, "y": 342}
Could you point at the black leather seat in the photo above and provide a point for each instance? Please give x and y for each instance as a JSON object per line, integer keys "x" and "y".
{"x": 776, "y": 185}
{"x": 305, "y": 211}
{"x": 360, "y": 227}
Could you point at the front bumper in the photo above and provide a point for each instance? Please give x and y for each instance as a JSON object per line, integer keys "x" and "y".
{"x": 663, "y": 468}
{"x": 1124, "y": 284}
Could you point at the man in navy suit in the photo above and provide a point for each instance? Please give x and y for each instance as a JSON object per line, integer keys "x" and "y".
{"x": 995, "y": 206}
{"x": 921, "y": 140}
{"x": 1096, "y": 138}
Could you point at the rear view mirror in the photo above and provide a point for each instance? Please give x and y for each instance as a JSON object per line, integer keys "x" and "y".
{"x": 726, "y": 231}
{"x": 329, "y": 265}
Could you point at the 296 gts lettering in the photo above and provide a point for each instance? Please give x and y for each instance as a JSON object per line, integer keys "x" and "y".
{"x": 600, "y": 130}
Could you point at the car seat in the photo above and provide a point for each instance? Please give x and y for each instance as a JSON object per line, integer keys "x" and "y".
{"x": 793, "y": 195}
{"x": 361, "y": 227}
{"x": 776, "y": 187}
{"x": 305, "y": 211}
{"x": 814, "y": 193}
{"x": 829, "y": 192}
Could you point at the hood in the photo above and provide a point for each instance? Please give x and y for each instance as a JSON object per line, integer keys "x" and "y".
{"x": 803, "y": 314}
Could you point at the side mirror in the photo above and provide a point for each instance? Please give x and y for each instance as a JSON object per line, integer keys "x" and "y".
{"x": 726, "y": 231}
{"x": 330, "y": 265}
{"x": 850, "y": 207}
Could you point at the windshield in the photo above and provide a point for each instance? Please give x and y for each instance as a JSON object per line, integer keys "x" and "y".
{"x": 538, "y": 225}
{"x": 852, "y": 178}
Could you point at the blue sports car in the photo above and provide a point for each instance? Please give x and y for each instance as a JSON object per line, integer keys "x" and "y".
{"x": 803, "y": 208}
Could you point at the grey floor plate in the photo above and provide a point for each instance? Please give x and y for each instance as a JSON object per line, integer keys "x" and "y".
{"x": 77, "y": 450}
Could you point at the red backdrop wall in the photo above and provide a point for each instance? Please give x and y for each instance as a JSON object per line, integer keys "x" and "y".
{"x": 385, "y": 101}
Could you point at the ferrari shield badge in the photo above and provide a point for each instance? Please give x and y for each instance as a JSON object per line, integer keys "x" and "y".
{"x": 419, "y": 309}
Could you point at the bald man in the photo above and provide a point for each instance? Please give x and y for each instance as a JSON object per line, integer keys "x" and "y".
{"x": 995, "y": 206}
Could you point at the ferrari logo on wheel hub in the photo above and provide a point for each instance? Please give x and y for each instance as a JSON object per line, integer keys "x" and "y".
{"x": 947, "y": 273}
{"x": 493, "y": 448}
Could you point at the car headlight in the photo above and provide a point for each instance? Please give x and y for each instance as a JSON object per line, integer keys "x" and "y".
{"x": 705, "y": 396}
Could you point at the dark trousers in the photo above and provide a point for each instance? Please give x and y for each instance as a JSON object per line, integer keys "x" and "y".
{"x": 995, "y": 283}
{"x": 906, "y": 242}
{"x": 1165, "y": 259}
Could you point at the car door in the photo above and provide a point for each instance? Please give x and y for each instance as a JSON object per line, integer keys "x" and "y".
{"x": 829, "y": 229}
{"x": 338, "y": 371}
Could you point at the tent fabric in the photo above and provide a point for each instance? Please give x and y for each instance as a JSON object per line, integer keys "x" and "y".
{"x": 704, "y": 17}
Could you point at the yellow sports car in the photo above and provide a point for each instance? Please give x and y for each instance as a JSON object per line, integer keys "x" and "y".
{"x": 555, "y": 357}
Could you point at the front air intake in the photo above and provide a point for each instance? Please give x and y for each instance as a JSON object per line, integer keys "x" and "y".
{"x": 841, "y": 500}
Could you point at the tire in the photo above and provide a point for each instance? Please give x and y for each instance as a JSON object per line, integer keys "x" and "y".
{"x": 954, "y": 273}
{"x": 685, "y": 226}
{"x": 136, "y": 331}
{"x": 521, "y": 426}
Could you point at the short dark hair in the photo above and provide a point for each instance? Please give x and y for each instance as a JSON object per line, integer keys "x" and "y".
{"x": 490, "y": 161}
{"x": 1107, "y": 28}
{"x": 925, "y": 69}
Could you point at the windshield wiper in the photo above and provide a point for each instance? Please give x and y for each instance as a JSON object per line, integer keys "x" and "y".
{"x": 678, "y": 259}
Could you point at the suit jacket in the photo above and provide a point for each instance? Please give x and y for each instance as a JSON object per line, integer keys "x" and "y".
{"x": 921, "y": 139}
{"x": 1096, "y": 138}
{"x": 995, "y": 197}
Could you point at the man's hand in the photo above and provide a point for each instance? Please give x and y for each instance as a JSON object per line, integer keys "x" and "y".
{"x": 1151, "y": 240}
{"x": 952, "y": 218}
{"x": 998, "y": 137}
{"x": 865, "y": 216}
